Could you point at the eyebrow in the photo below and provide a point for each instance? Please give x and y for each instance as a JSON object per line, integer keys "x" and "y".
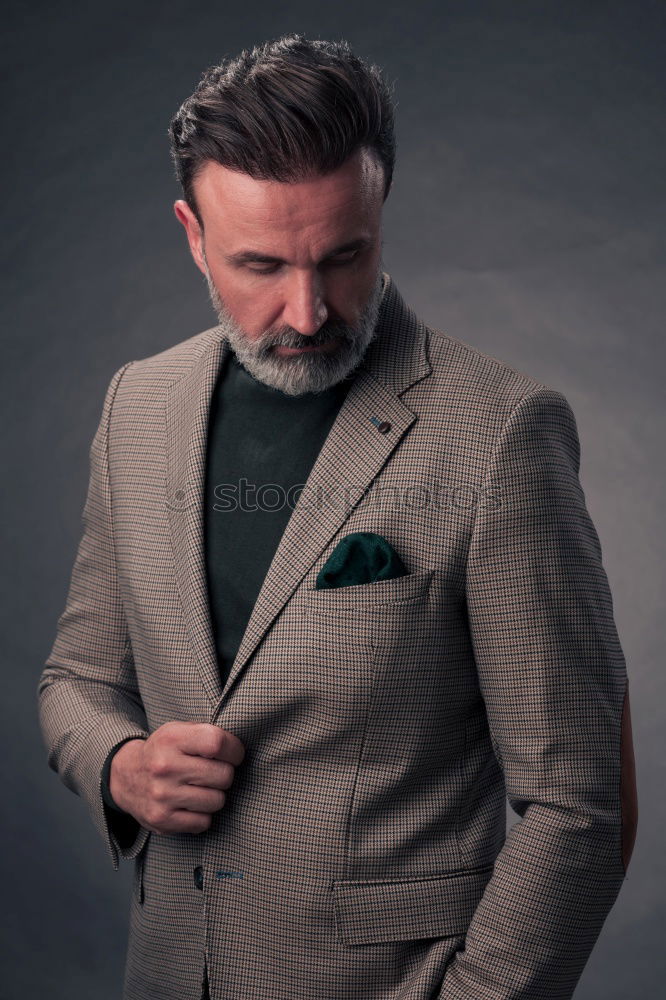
{"x": 246, "y": 256}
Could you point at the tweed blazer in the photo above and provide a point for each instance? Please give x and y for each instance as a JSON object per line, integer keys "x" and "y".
{"x": 362, "y": 852}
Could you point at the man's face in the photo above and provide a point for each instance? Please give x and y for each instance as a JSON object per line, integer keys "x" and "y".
{"x": 293, "y": 270}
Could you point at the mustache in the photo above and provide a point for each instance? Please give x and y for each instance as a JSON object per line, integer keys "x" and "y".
{"x": 288, "y": 337}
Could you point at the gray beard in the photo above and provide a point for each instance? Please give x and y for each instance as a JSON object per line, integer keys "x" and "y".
{"x": 313, "y": 371}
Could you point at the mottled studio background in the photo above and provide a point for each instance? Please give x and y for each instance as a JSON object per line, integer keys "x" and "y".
{"x": 526, "y": 218}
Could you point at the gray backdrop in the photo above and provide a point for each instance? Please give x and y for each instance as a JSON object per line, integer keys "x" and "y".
{"x": 526, "y": 219}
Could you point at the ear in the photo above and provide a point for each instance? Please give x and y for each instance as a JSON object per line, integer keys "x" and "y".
{"x": 186, "y": 216}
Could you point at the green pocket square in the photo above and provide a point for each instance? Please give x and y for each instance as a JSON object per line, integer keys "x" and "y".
{"x": 361, "y": 557}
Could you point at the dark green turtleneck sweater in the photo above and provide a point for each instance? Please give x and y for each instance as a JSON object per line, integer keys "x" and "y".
{"x": 269, "y": 440}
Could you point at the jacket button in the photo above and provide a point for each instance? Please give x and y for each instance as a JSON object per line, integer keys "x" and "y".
{"x": 198, "y": 877}
{"x": 384, "y": 427}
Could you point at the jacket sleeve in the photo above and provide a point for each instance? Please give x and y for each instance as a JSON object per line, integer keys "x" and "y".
{"x": 88, "y": 697}
{"x": 554, "y": 682}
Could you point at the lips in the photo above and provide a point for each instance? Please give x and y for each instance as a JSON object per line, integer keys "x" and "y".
{"x": 284, "y": 351}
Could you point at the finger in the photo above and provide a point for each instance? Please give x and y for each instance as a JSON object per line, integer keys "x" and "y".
{"x": 207, "y": 773}
{"x": 231, "y": 750}
{"x": 196, "y": 798}
{"x": 202, "y": 739}
{"x": 186, "y": 821}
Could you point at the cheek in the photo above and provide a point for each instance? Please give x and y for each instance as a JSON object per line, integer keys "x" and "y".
{"x": 349, "y": 292}
{"x": 254, "y": 308}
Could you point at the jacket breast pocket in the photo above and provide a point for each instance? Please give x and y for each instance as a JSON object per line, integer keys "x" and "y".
{"x": 374, "y": 912}
{"x": 410, "y": 588}
{"x": 327, "y": 644}
{"x": 366, "y": 615}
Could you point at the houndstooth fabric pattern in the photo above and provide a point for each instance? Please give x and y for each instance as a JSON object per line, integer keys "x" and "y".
{"x": 361, "y": 853}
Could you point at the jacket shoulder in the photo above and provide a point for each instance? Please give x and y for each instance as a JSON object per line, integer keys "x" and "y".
{"x": 155, "y": 373}
{"x": 161, "y": 369}
{"x": 479, "y": 382}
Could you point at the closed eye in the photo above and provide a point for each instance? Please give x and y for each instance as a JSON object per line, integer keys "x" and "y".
{"x": 343, "y": 258}
{"x": 339, "y": 260}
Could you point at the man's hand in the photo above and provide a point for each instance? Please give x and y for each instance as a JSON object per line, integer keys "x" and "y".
{"x": 173, "y": 781}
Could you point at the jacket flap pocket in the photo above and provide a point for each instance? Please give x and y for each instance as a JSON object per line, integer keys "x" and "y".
{"x": 371, "y": 912}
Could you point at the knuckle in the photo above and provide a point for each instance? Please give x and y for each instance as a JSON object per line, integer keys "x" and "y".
{"x": 159, "y": 766}
{"x": 153, "y": 814}
{"x": 159, "y": 794}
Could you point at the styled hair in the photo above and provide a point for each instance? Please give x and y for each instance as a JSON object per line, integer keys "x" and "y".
{"x": 289, "y": 109}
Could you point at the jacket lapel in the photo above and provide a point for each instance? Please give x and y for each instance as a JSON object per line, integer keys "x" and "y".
{"x": 186, "y": 414}
{"x": 353, "y": 454}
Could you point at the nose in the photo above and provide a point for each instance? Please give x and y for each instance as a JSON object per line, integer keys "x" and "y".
{"x": 304, "y": 308}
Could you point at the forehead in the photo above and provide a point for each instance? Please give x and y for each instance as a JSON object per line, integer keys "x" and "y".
{"x": 235, "y": 206}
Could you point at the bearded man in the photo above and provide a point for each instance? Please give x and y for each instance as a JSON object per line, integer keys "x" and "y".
{"x": 338, "y": 595}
